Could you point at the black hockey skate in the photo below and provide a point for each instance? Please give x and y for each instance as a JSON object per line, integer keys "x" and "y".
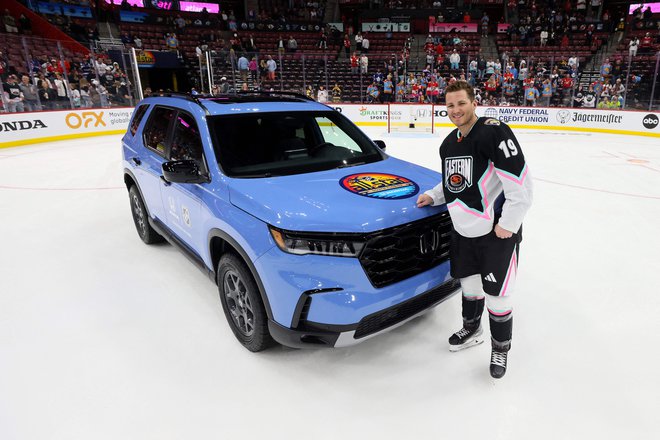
{"x": 498, "y": 357}
{"x": 465, "y": 338}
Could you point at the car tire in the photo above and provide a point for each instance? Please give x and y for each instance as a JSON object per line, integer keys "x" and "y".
{"x": 242, "y": 304}
{"x": 141, "y": 218}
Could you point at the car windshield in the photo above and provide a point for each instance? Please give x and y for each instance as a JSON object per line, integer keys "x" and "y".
{"x": 275, "y": 144}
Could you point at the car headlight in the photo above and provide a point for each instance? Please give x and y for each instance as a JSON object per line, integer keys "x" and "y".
{"x": 302, "y": 243}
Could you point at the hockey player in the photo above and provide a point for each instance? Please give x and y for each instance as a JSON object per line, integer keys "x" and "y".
{"x": 488, "y": 190}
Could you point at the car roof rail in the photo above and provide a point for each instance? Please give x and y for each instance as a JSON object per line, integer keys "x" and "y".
{"x": 274, "y": 93}
{"x": 188, "y": 96}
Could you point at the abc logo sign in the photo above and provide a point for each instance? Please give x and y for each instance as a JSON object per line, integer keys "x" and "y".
{"x": 650, "y": 121}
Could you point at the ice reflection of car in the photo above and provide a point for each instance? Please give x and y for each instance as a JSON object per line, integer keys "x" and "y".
{"x": 307, "y": 226}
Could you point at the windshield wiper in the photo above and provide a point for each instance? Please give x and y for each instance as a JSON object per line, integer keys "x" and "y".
{"x": 347, "y": 165}
{"x": 253, "y": 176}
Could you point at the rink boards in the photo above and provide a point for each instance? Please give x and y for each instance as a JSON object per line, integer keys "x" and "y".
{"x": 28, "y": 128}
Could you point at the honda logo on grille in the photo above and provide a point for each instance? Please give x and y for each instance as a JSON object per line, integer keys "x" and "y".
{"x": 429, "y": 242}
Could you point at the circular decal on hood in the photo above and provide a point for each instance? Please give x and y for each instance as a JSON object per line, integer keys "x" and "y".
{"x": 379, "y": 186}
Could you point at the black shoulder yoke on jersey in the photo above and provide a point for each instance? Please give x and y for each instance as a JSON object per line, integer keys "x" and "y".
{"x": 469, "y": 162}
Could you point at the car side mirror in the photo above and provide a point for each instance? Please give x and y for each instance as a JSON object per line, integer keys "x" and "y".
{"x": 183, "y": 171}
{"x": 381, "y": 144}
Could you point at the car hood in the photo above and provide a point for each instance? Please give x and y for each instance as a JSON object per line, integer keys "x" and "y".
{"x": 362, "y": 198}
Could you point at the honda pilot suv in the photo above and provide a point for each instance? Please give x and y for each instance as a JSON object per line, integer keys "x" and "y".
{"x": 308, "y": 228}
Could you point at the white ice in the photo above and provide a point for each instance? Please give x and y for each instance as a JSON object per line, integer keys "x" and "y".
{"x": 103, "y": 337}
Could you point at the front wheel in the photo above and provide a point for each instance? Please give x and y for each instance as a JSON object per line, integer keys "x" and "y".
{"x": 242, "y": 304}
{"x": 141, "y": 218}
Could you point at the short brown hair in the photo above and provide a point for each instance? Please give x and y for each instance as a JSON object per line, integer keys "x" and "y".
{"x": 457, "y": 86}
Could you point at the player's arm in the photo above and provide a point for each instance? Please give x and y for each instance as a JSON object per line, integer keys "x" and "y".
{"x": 512, "y": 170}
{"x": 432, "y": 197}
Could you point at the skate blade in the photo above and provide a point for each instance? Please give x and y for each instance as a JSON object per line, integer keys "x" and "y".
{"x": 471, "y": 343}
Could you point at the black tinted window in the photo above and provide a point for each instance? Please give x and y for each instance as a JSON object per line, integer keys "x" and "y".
{"x": 155, "y": 132}
{"x": 186, "y": 141}
{"x": 137, "y": 117}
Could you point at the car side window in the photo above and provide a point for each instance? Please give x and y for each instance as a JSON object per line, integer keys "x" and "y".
{"x": 186, "y": 140}
{"x": 137, "y": 117}
{"x": 155, "y": 132}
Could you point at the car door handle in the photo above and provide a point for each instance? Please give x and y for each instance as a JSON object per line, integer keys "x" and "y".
{"x": 165, "y": 181}
{"x": 136, "y": 161}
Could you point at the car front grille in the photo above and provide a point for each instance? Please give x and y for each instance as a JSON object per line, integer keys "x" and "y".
{"x": 386, "y": 318}
{"x": 398, "y": 253}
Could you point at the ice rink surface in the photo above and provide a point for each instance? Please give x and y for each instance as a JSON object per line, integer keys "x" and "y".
{"x": 103, "y": 337}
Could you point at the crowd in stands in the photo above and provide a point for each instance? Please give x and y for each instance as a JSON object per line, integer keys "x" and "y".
{"x": 49, "y": 84}
{"x": 539, "y": 60}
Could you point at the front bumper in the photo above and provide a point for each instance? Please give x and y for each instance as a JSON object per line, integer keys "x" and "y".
{"x": 309, "y": 334}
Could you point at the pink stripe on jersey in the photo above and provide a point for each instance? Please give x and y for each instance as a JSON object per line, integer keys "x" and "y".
{"x": 518, "y": 180}
{"x": 513, "y": 267}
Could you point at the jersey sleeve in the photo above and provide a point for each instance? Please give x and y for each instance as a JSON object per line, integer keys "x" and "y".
{"x": 511, "y": 169}
{"x": 437, "y": 194}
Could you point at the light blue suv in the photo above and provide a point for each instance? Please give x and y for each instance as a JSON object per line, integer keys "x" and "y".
{"x": 308, "y": 228}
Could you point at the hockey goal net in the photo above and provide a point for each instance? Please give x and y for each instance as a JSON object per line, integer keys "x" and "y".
{"x": 410, "y": 118}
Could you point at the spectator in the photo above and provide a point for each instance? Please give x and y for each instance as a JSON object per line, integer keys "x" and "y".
{"x": 647, "y": 43}
{"x": 29, "y": 90}
{"x": 180, "y": 23}
{"x": 358, "y": 42}
{"x": 13, "y": 97}
{"x": 76, "y": 97}
{"x": 485, "y": 20}
{"x": 292, "y": 44}
{"x": 546, "y": 92}
{"x": 309, "y": 92}
{"x": 606, "y": 69}
{"x": 61, "y": 87}
{"x": 272, "y": 67}
{"x": 171, "y": 41}
{"x": 365, "y": 44}
{"x": 126, "y": 38}
{"x": 336, "y": 93}
{"x": 364, "y": 64}
{"x": 26, "y": 24}
{"x": 251, "y": 45}
{"x": 355, "y": 60}
{"x": 323, "y": 41}
{"x": 632, "y": 46}
{"x": 454, "y": 60}
{"x": 223, "y": 88}
{"x": 137, "y": 41}
{"x": 531, "y": 95}
{"x": 47, "y": 96}
{"x": 347, "y": 47}
{"x": 253, "y": 67}
{"x": 373, "y": 93}
{"x": 120, "y": 94}
{"x": 322, "y": 95}
{"x": 10, "y": 23}
{"x": 243, "y": 67}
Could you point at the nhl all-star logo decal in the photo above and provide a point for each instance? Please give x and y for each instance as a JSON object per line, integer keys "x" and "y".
{"x": 563, "y": 116}
{"x": 458, "y": 173}
{"x": 379, "y": 186}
